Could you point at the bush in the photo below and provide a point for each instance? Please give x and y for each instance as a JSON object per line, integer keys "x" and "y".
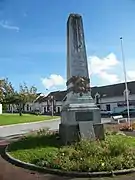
{"x": 114, "y": 153}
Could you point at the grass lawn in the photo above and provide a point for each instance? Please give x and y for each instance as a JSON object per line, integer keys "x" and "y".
{"x": 7, "y": 119}
{"x": 45, "y": 150}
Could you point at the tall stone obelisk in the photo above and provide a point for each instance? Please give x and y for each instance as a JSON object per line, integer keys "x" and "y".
{"x": 79, "y": 113}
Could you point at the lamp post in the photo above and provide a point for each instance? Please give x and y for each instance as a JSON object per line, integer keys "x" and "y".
{"x": 52, "y": 104}
{"x": 97, "y": 98}
{"x": 51, "y": 98}
{"x": 125, "y": 77}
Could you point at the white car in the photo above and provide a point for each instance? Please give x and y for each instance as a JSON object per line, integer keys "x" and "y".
{"x": 104, "y": 112}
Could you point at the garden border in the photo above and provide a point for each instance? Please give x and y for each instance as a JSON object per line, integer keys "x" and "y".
{"x": 33, "y": 167}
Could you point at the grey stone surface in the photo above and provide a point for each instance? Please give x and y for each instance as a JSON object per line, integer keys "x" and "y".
{"x": 68, "y": 133}
{"x": 99, "y": 131}
{"x": 69, "y": 112}
{"x": 76, "y": 51}
{"x": 78, "y": 109}
{"x": 86, "y": 129}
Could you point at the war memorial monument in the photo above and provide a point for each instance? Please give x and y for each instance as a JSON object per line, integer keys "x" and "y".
{"x": 80, "y": 117}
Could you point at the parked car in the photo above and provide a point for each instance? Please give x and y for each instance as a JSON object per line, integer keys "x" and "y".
{"x": 105, "y": 113}
{"x": 131, "y": 112}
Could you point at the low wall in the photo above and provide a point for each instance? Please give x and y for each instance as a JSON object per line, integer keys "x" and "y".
{"x": 0, "y": 108}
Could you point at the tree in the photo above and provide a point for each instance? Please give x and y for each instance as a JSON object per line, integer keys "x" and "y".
{"x": 26, "y": 94}
{"x": 8, "y": 95}
{"x": 6, "y": 89}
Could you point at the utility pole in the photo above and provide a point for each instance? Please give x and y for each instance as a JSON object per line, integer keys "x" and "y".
{"x": 52, "y": 101}
{"x": 125, "y": 77}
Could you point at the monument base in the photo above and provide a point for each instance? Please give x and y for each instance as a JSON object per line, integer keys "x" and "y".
{"x": 69, "y": 133}
{"x": 80, "y": 121}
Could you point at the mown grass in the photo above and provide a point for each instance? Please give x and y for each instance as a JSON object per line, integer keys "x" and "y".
{"x": 45, "y": 149}
{"x": 7, "y": 119}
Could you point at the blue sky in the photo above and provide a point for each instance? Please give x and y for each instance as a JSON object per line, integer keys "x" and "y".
{"x": 33, "y": 40}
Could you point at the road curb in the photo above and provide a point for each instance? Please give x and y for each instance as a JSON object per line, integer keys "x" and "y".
{"x": 33, "y": 167}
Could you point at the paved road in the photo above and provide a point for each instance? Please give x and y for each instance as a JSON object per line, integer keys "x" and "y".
{"x": 25, "y": 128}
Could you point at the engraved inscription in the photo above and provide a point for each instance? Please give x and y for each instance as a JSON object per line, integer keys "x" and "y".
{"x": 76, "y": 57}
{"x": 84, "y": 116}
{"x": 78, "y": 63}
{"x": 78, "y": 67}
{"x": 77, "y": 34}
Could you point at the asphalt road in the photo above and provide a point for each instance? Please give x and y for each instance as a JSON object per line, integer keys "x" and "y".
{"x": 25, "y": 128}
{"x": 18, "y": 129}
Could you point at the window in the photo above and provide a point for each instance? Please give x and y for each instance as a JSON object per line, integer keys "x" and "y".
{"x": 108, "y": 107}
{"x": 58, "y": 109}
{"x": 27, "y": 107}
{"x": 44, "y": 109}
{"x": 99, "y": 106}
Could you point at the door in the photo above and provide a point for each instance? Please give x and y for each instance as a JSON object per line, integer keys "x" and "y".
{"x": 108, "y": 107}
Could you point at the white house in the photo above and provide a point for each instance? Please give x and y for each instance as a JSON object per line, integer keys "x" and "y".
{"x": 113, "y": 97}
{"x": 110, "y": 98}
{"x": 52, "y": 101}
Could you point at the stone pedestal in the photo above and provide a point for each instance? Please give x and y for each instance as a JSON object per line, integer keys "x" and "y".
{"x": 69, "y": 133}
{"x": 99, "y": 131}
{"x": 80, "y": 117}
{"x": 80, "y": 121}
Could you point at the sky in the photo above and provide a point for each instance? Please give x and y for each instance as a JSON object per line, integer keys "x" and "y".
{"x": 33, "y": 41}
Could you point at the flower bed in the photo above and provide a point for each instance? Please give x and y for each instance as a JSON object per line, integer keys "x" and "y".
{"x": 117, "y": 152}
{"x": 127, "y": 127}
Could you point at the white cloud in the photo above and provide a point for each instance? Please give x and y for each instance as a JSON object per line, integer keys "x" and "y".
{"x": 101, "y": 66}
{"x": 131, "y": 75}
{"x": 7, "y": 25}
{"x": 97, "y": 65}
{"x": 53, "y": 81}
{"x": 110, "y": 78}
{"x": 106, "y": 70}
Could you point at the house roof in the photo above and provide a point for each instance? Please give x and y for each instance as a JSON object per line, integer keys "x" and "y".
{"x": 58, "y": 95}
{"x": 39, "y": 98}
{"x": 113, "y": 90}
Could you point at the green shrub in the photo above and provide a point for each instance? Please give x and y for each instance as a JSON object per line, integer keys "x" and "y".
{"x": 115, "y": 152}
{"x": 43, "y": 131}
{"x": 115, "y": 146}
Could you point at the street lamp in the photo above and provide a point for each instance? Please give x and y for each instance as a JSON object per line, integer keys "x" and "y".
{"x": 125, "y": 77}
{"x": 97, "y": 98}
{"x": 51, "y": 98}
